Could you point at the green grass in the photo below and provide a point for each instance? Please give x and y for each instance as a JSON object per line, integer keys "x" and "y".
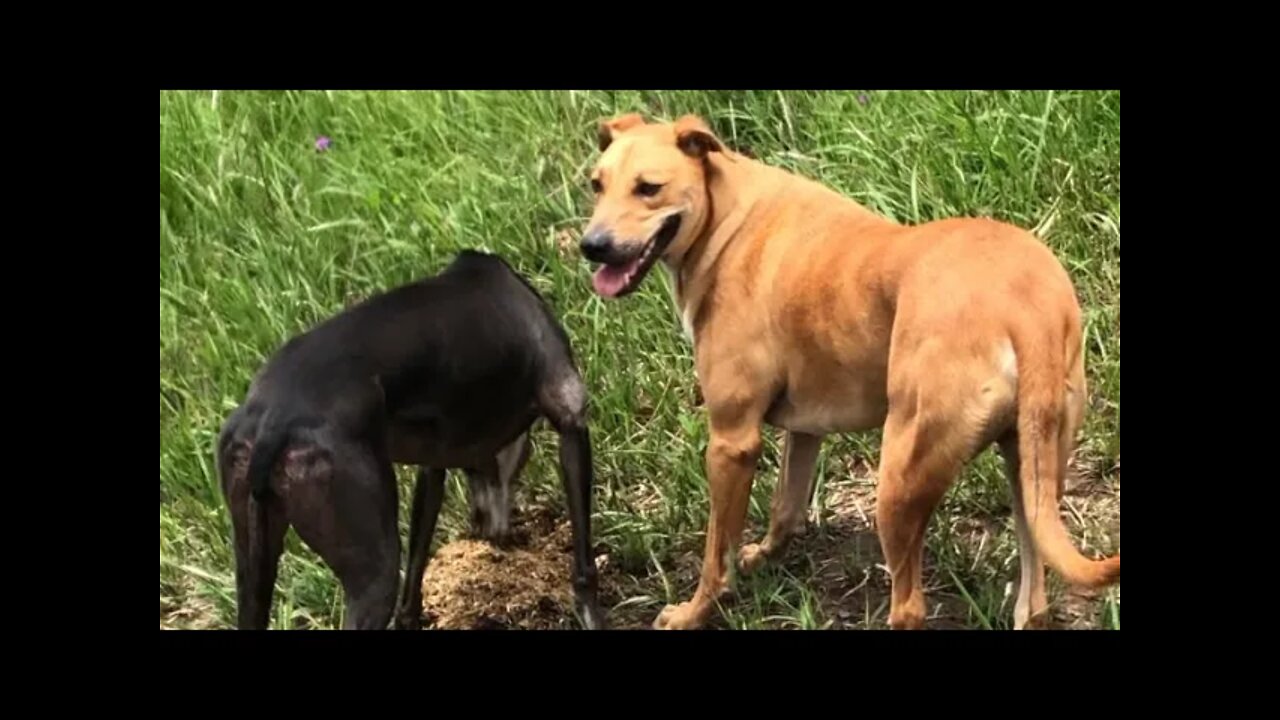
{"x": 261, "y": 236}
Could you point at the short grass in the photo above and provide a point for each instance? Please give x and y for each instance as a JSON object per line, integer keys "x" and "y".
{"x": 261, "y": 235}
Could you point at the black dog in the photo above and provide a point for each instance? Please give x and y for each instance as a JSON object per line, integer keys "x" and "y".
{"x": 447, "y": 372}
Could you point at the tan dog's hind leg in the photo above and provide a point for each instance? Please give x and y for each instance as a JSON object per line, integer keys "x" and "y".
{"x": 790, "y": 505}
{"x": 731, "y": 465}
{"x": 914, "y": 475}
{"x": 937, "y": 421}
{"x": 1031, "y": 608}
{"x": 1076, "y": 396}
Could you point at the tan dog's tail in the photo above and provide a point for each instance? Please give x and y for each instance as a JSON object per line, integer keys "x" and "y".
{"x": 1041, "y": 420}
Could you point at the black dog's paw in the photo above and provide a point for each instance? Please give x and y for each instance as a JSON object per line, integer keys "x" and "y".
{"x": 501, "y": 532}
{"x": 502, "y": 539}
{"x": 408, "y": 620}
{"x": 590, "y": 616}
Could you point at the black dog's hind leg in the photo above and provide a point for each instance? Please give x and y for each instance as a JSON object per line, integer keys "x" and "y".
{"x": 270, "y": 522}
{"x": 255, "y": 576}
{"x": 428, "y": 494}
{"x": 254, "y": 588}
{"x": 350, "y": 520}
{"x": 564, "y": 403}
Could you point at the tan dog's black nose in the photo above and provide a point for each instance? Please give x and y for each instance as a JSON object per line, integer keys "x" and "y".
{"x": 597, "y": 245}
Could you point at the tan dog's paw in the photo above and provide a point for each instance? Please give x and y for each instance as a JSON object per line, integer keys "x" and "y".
{"x": 751, "y": 558}
{"x": 1040, "y": 621}
{"x": 685, "y": 616}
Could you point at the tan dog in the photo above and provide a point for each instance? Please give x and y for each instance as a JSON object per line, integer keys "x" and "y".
{"x": 811, "y": 313}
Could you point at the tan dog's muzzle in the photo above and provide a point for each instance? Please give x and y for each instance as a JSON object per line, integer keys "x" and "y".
{"x": 624, "y": 265}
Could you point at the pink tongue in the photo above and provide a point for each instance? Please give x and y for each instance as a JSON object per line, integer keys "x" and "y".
{"x": 609, "y": 280}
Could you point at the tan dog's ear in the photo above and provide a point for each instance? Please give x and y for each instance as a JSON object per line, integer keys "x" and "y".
{"x": 620, "y": 124}
{"x": 694, "y": 138}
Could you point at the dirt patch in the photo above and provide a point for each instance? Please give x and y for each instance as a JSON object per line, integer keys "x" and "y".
{"x": 475, "y": 585}
{"x": 192, "y": 613}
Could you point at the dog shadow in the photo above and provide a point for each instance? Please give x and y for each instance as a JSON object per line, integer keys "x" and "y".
{"x": 833, "y": 576}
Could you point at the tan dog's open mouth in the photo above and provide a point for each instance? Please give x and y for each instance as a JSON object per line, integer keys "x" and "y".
{"x": 619, "y": 279}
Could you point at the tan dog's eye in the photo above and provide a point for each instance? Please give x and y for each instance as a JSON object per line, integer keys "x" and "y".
{"x": 644, "y": 189}
{"x": 597, "y": 187}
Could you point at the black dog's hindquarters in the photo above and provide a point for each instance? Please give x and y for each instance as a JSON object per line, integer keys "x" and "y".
{"x": 327, "y": 476}
{"x": 447, "y": 372}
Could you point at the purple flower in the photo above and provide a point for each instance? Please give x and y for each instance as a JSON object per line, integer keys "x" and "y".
{"x": 863, "y": 99}
{"x": 322, "y": 143}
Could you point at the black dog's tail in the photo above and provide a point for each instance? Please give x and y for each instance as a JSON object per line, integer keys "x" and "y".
{"x": 270, "y": 442}
{"x": 267, "y": 446}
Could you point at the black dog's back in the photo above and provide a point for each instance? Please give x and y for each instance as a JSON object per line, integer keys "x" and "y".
{"x": 477, "y": 326}
{"x": 456, "y": 360}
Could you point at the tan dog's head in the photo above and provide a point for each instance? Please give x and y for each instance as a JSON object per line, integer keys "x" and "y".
{"x": 651, "y": 202}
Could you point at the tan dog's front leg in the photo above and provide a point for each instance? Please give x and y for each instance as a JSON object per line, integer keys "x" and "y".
{"x": 790, "y": 507}
{"x": 731, "y": 466}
